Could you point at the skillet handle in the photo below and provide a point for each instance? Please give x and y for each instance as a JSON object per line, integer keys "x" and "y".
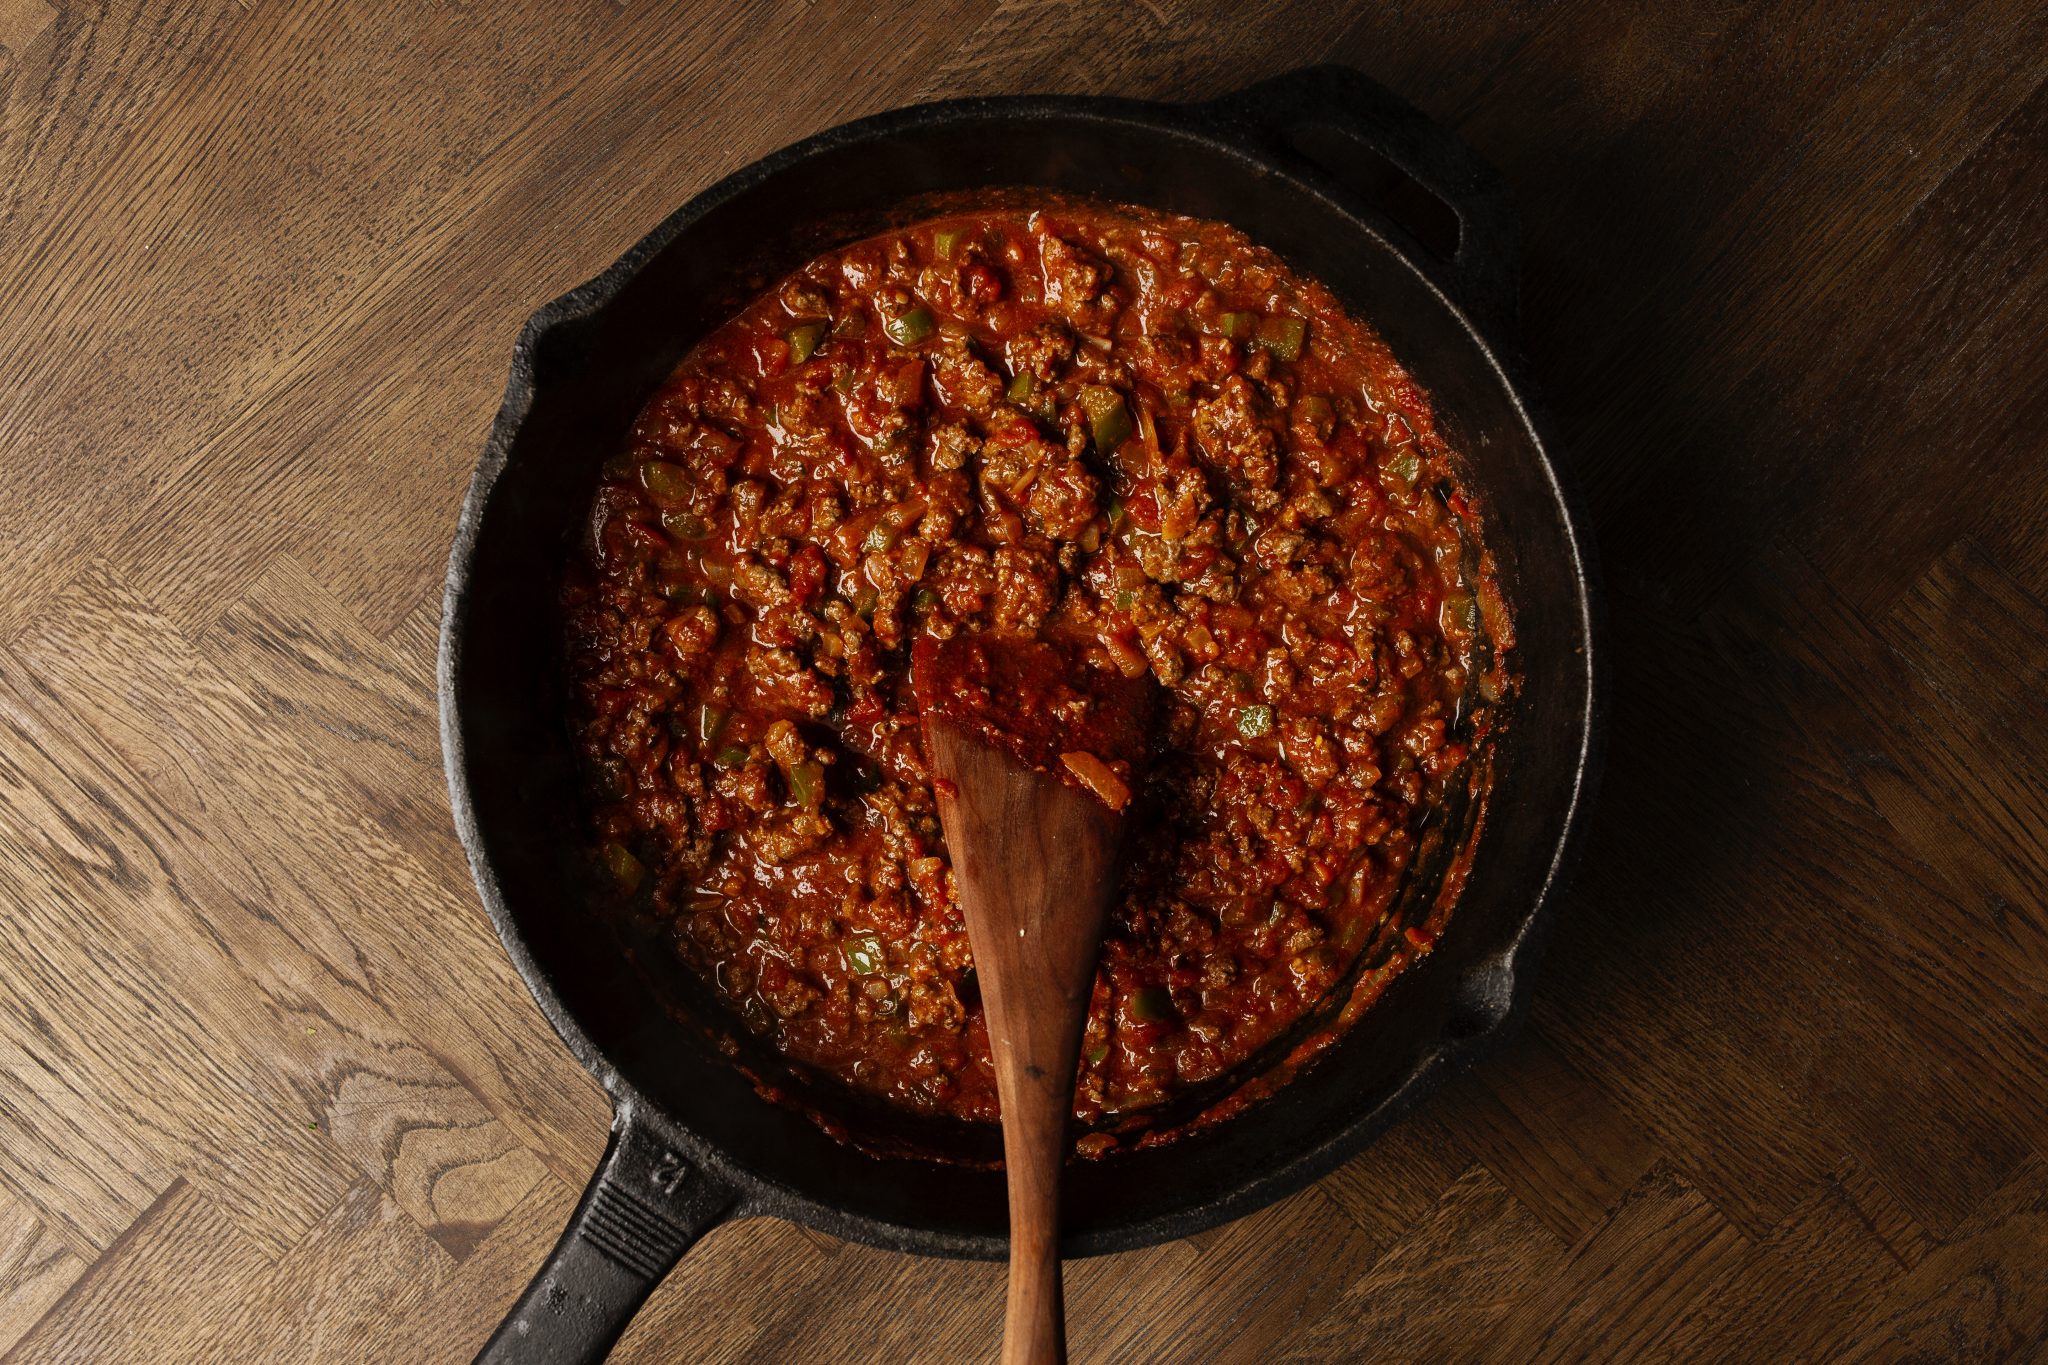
{"x": 1284, "y": 116}
{"x": 644, "y": 1208}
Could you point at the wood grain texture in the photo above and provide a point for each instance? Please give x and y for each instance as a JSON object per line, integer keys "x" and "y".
{"x": 268, "y": 1088}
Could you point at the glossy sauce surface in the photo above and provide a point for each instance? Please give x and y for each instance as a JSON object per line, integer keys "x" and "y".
{"x": 1043, "y": 455}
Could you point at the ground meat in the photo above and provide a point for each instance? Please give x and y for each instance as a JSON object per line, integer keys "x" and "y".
{"x": 1062, "y": 501}
{"x": 1026, "y": 581}
{"x": 1041, "y": 352}
{"x": 1073, "y": 281}
{"x": 1138, "y": 442}
{"x": 1233, "y": 435}
{"x": 963, "y": 380}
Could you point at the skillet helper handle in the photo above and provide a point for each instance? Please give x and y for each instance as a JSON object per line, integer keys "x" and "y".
{"x": 644, "y": 1208}
{"x": 1483, "y": 270}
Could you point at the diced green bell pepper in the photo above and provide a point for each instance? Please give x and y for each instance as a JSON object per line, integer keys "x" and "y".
{"x": 711, "y": 723}
{"x": 667, "y": 482}
{"x": 1282, "y": 336}
{"x": 1153, "y": 1005}
{"x": 626, "y": 869}
{"x": 907, "y": 329}
{"x": 864, "y": 956}
{"x": 1109, "y": 421}
{"x": 803, "y": 341}
{"x": 806, "y": 784}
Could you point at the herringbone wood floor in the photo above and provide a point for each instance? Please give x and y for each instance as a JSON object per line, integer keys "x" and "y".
{"x": 268, "y": 1089}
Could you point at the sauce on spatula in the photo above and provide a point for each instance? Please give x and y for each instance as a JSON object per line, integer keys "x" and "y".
{"x": 1040, "y": 703}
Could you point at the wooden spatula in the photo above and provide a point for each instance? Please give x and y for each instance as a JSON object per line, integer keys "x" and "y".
{"x": 1032, "y": 826}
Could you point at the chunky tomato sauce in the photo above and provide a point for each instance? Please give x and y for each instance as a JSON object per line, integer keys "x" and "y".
{"x": 1045, "y": 454}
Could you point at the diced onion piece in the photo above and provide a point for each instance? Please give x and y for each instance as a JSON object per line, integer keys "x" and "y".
{"x": 1125, "y": 656}
{"x": 1096, "y": 776}
{"x": 1177, "y": 517}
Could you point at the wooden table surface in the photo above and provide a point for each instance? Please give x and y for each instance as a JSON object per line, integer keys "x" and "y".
{"x": 269, "y": 1090}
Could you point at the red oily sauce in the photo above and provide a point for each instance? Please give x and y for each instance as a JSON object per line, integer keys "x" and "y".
{"x": 1047, "y": 454}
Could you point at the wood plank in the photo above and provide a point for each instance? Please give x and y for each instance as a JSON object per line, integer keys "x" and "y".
{"x": 36, "y": 1268}
{"x": 324, "y": 1064}
{"x": 1257, "y": 1282}
{"x": 1950, "y": 358}
{"x": 77, "y": 91}
{"x": 68, "y": 1155}
{"x": 1622, "y": 1292}
{"x": 1980, "y": 1297}
{"x": 2006, "y": 526}
{"x": 267, "y": 481}
{"x": 360, "y": 710}
{"x": 1550, "y": 1136}
{"x": 143, "y": 1030}
{"x": 1397, "y": 1180}
{"x": 288, "y": 867}
{"x": 354, "y": 1286}
{"x": 22, "y": 22}
{"x": 1967, "y": 981}
{"x": 1786, "y": 1297}
{"x": 260, "y": 235}
{"x": 1816, "y": 960}
{"x": 766, "y": 1276}
{"x": 1029, "y": 46}
{"x": 472, "y": 1296}
{"x": 155, "y": 1295}
{"x": 1729, "y": 329}
{"x": 1442, "y": 1290}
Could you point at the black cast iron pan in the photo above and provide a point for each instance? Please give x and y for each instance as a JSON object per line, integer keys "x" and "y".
{"x": 1299, "y": 162}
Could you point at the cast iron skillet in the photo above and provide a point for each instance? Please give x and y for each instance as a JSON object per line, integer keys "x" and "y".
{"x": 1292, "y": 161}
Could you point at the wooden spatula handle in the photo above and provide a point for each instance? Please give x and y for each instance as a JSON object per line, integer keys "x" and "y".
{"x": 1035, "y": 1082}
{"x": 1034, "y": 1319}
{"x": 1035, "y": 863}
